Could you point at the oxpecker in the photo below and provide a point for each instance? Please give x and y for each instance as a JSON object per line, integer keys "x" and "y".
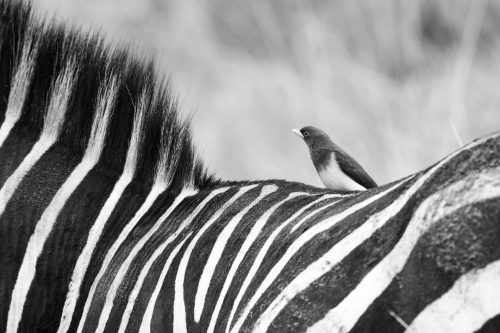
{"x": 336, "y": 169}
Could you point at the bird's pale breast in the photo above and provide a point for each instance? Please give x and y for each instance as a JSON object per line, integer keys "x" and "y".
{"x": 334, "y": 178}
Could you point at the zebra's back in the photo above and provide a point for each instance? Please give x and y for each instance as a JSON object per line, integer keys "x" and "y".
{"x": 110, "y": 222}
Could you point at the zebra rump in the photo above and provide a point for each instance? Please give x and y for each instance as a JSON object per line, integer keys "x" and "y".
{"x": 109, "y": 221}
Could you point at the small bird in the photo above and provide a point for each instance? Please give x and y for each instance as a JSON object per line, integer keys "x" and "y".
{"x": 336, "y": 169}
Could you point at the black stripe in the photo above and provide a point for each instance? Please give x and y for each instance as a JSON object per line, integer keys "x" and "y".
{"x": 14, "y": 149}
{"x": 170, "y": 226}
{"x": 14, "y": 18}
{"x": 201, "y": 254}
{"x": 313, "y": 250}
{"x": 312, "y": 304}
{"x": 93, "y": 62}
{"x": 124, "y": 249}
{"x": 465, "y": 240}
{"x": 491, "y": 326}
{"x": 23, "y": 211}
{"x": 54, "y": 268}
{"x": 132, "y": 198}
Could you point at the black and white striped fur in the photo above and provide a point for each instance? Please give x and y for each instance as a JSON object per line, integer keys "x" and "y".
{"x": 110, "y": 223}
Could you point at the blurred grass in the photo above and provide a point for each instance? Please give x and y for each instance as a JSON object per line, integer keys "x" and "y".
{"x": 395, "y": 83}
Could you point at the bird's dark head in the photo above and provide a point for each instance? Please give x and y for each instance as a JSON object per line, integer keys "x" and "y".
{"x": 312, "y": 136}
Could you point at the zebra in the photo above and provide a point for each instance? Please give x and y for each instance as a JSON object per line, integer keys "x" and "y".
{"x": 110, "y": 222}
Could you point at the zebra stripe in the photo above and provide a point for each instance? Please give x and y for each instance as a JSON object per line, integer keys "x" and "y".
{"x": 218, "y": 248}
{"x": 51, "y": 129}
{"x": 96, "y": 230}
{"x": 156, "y": 190}
{"x": 338, "y": 252}
{"x": 349, "y": 313}
{"x": 265, "y": 247}
{"x": 292, "y": 250}
{"x": 346, "y": 314}
{"x": 109, "y": 221}
{"x": 19, "y": 88}
{"x": 179, "y": 307}
{"x": 299, "y": 224}
{"x": 249, "y": 240}
{"x": 146, "y": 321}
{"x": 457, "y": 311}
{"x": 119, "y": 276}
{"x": 49, "y": 216}
{"x": 158, "y": 252}
{"x": 148, "y": 315}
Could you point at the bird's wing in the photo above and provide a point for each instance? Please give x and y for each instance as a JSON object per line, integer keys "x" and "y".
{"x": 351, "y": 168}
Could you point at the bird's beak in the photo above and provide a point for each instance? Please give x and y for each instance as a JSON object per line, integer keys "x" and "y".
{"x": 297, "y": 132}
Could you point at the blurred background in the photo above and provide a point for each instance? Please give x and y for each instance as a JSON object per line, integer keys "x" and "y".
{"x": 397, "y": 84}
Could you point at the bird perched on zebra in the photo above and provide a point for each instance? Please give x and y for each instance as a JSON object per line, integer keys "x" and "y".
{"x": 336, "y": 169}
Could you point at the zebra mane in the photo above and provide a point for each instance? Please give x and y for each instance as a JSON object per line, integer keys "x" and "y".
{"x": 56, "y": 81}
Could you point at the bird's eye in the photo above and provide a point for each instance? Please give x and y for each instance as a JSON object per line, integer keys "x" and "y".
{"x": 306, "y": 133}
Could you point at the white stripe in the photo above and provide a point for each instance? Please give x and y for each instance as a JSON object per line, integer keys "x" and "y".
{"x": 99, "y": 224}
{"x": 179, "y": 324}
{"x": 37, "y": 241}
{"x": 8, "y": 125}
{"x": 106, "y": 100}
{"x": 263, "y": 251}
{"x": 20, "y": 86}
{"x": 11, "y": 184}
{"x": 124, "y": 266}
{"x": 249, "y": 240}
{"x": 146, "y": 322}
{"x": 156, "y": 190}
{"x": 337, "y": 253}
{"x": 215, "y": 254}
{"x": 148, "y": 314}
{"x": 345, "y": 246}
{"x": 466, "y": 307}
{"x": 163, "y": 176}
{"x": 145, "y": 270}
{"x": 304, "y": 220}
{"x": 52, "y": 125}
{"x": 474, "y": 188}
{"x": 59, "y": 100}
{"x": 86, "y": 254}
{"x": 49, "y": 217}
{"x": 162, "y": 181}
{"x": 303, "y": 239}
